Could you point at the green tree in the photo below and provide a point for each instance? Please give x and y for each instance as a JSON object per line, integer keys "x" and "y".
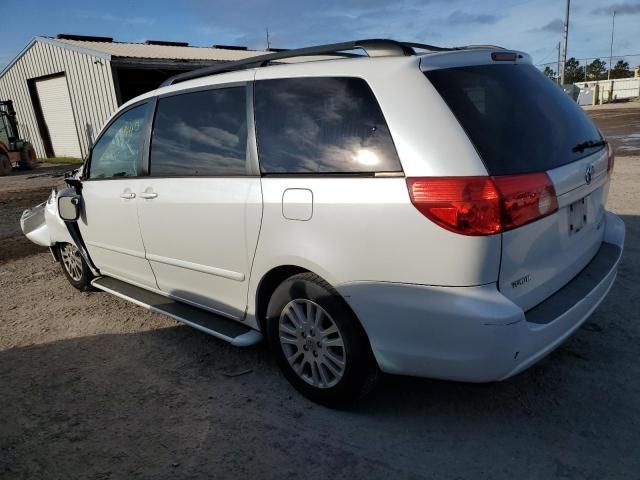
{"x": 573, "y": 72}
{"x": 621, "y": 70}
{"x": 597, "y": 70}
{"x": 550, "y": 73}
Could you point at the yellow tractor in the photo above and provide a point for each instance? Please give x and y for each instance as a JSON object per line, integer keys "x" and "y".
{"x": 14, "y": 152}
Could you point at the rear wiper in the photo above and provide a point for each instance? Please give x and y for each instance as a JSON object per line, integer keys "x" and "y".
{"x": 581, "y": 147}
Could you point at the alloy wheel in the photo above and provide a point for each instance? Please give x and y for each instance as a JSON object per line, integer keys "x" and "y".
{"x": 312, "y": 343}
{"x": 72, "y": 261}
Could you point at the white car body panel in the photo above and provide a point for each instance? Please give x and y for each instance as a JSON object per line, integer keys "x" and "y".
{"x": 539, "y": 258}
{"x": 206, "y": 261}
{"x": 347, "y": 239}
{"x": 111, "y": 232}
{"x": 472, "y": 334}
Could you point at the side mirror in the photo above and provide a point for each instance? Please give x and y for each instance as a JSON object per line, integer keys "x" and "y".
{"x": 69, "y": 207}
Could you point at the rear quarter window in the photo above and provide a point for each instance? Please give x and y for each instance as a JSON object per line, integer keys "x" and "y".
{"x": 518, "y": 120}
{"x": 321, "y": 125}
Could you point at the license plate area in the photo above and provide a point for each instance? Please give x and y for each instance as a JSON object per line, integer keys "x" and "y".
{"x": 577, "y": 216}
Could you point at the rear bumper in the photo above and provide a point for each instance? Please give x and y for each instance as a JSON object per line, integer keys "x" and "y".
{"x": 476, "y": 334}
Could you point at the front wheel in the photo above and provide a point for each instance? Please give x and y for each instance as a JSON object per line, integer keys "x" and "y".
{"x": 318, "y": 343}
{"x": 74, "y": 267}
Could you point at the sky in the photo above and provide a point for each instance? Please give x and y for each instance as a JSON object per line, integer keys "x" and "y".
{"x": 534, "y": 26}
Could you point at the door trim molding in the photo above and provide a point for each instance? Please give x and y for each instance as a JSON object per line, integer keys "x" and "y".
{"x": 124, "y": 251}
{"x": 197, "y": 267}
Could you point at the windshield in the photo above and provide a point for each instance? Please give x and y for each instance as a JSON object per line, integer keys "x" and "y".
{"x": 518, "y": 120}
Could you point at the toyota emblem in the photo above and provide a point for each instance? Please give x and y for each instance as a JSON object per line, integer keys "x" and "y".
{"x": 588, "y": 174}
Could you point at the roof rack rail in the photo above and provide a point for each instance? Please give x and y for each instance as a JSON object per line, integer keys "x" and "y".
{"x": 374, "y": 47}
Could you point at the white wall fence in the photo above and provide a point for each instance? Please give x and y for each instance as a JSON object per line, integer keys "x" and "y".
{"x": 622, "y": 87}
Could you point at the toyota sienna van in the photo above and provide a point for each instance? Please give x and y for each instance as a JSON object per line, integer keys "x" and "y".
{"x": 426, "y": 211}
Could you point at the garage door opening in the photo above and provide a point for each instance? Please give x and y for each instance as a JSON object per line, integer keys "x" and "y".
{"x": 56, "y": 122}
{"x": 134, "y": 80}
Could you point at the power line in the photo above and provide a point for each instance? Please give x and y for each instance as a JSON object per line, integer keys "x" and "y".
{"x": 592, "y": 57}
{"x": 553, "y": 49}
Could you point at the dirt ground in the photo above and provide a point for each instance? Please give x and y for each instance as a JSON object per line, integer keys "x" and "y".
{"x": 94, "y": 387}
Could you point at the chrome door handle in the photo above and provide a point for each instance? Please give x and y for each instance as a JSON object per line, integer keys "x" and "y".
{"x": 148, "y": 195}
{"x": 128, "y": 195}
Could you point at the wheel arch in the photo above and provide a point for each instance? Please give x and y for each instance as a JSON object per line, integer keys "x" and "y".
{"x": 273, "y": 278}
{"x": 268, "y": 284}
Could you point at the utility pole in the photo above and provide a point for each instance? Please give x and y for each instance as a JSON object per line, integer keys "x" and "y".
{"x": 613, "y": 26}
{"x": 565, "y": 38}
{"x": 268, "y": 42}
{"x": 586, "y": 62}
{"x": 558, "y": 69}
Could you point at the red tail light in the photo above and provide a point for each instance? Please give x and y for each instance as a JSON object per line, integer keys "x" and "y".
{"x": 611, "y": 158}
{"x": 483, "y": 205}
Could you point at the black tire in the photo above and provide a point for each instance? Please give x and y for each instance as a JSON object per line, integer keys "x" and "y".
{"x": 360, "y": 370}
{"x": 28, "y": 159}
{"x": 78, "y": 274}
{"x": 5, "y": 165}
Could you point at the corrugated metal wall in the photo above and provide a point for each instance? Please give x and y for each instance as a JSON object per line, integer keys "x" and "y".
{"x": 90, "y": 84}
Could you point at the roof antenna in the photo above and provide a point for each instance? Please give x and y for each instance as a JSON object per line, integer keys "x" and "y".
{"x": 268, "y": 42}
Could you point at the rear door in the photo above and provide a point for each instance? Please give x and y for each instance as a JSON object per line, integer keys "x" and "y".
{"x": 201, "y": 205}
{"x": 522, "y": 123}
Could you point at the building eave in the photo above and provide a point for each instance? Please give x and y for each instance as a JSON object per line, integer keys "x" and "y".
{"x": 52, "y": 41}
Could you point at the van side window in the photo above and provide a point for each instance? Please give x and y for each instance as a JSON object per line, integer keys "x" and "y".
{"x": 201, "y": 133}
{"x": 321, "y": 125}
{"x": 117, "y": 151}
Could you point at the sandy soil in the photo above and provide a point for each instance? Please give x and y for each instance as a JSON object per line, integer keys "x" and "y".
{"x": 94, "y": 387}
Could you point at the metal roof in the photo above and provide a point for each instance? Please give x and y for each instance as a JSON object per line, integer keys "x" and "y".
{"x": 125, "y": 50}
{"x": 165, "y": 52}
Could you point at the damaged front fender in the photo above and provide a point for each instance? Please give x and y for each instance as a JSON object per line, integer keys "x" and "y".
{"x": 42, "y": 224}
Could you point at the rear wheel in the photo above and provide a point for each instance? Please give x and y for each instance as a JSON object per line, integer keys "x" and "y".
{"x": 28, "y": 158}
{"x": 318, "y": 343}
{"x": 5, "y": 165}
{"x": 74, "y": 267}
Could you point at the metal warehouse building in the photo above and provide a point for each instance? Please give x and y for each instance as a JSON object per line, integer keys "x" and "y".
{"x": 65, "y": 88}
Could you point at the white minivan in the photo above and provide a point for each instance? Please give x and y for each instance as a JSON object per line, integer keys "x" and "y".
{"x": 437, "y": 212}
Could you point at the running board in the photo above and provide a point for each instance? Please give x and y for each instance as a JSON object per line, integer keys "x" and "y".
{"x": 229, "y": 330}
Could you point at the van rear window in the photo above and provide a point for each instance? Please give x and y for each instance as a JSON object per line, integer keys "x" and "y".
{"x": 321, "y": 125}
{"x": 518, "y": 120}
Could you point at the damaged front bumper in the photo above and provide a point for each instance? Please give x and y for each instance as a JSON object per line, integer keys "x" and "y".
{"x": 34, "y": 225}
{"x": 42, "y": 224}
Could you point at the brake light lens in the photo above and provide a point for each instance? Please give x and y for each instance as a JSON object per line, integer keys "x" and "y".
{"x": 467, "y": 205}
{"x": 611, "y": 158}
{"x": 483, "y": 205}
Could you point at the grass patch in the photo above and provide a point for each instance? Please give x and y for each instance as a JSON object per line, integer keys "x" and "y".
{"x": 69, "y": 160}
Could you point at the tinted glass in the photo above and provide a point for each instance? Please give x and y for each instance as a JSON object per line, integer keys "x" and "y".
{"x": 117, "y": 151}
{"x": 200, "y": 133}
{"x": 518, "y": 120}
{"x": 321, "y": 125}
